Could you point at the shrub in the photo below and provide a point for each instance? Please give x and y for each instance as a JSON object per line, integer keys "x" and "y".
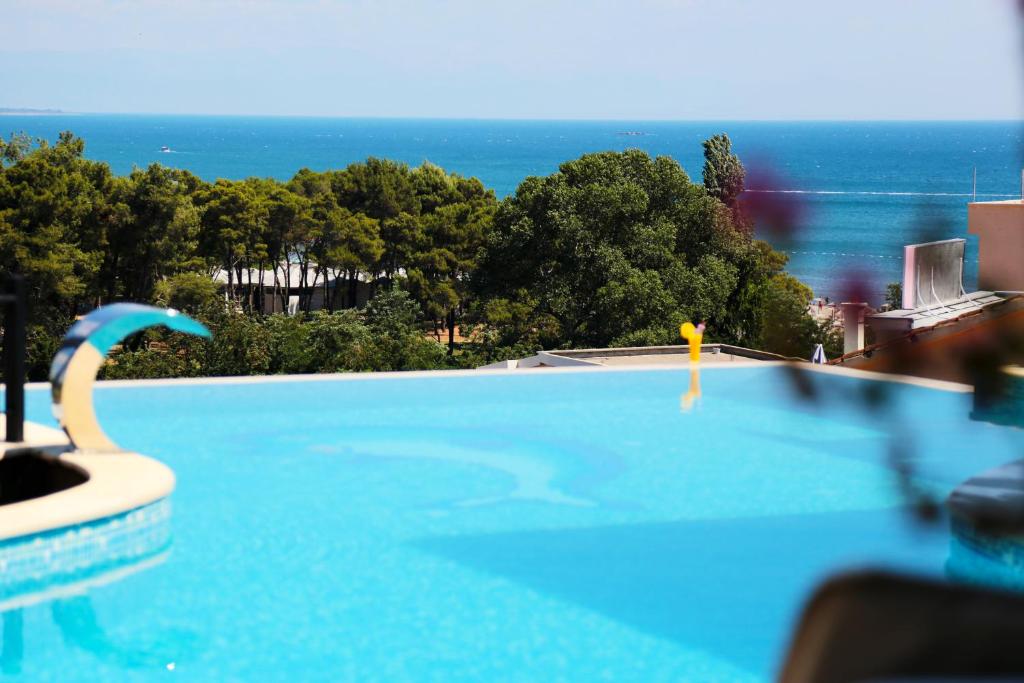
{"x": 240, "y": 346}
{"x": 189, "y": 292}
{"x": 289, "y": 340}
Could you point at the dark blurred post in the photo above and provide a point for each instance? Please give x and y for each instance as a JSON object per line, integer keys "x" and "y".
{"x": 451, "y": 332}
{"x": 12, "y": 300}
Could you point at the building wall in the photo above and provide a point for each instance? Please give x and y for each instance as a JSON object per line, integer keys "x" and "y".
{"x": 1000, "y": 230}
{"x": 272, "y": 303}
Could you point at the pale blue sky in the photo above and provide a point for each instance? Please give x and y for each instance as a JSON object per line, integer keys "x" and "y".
{"x": 595, "y": 59}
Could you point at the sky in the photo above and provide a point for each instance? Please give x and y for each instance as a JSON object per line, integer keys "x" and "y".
{"x": 533, "y": 59}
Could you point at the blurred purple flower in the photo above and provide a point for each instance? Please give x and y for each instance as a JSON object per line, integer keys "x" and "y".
{"x": 855, "y": 286}
{"x": 771, "y": 205}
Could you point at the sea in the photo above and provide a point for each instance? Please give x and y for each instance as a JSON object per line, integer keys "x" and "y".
{"x": 853, "y": 193}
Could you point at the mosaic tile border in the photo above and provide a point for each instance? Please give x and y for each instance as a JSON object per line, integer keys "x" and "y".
{"x": 83, "y": 552}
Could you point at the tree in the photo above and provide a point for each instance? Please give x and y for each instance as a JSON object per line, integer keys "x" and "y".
{"x": 382, "y": 190}
{"x": 379, "y": 188}
{"x": 392, "y": 312}
{"x": 614, "y": 248}
{"x": 14, "y": 150}
{"x": 155, "y": 233}
{"x": 456, "y": 212}
{"x": 233, "y": 230}
{"x": 54, "y": 207}
{"x": 723, "y": 172}
{"x": 785, "y": 327}
{"x": 188, "y": 292}
{"x": 894, "y": 295}
{"x": 392, "y": 316}
{"x": 289, "y": 229}
{"x": 239, "y": 345}
{"x": 351, "y": 245}
{"x": 619, "y": 249}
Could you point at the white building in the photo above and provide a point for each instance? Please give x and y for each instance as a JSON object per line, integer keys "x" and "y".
{"x": 278, "y": 294}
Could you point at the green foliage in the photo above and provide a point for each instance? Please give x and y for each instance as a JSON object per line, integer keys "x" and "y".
{"x": 291, "y": 344}
{"x": 240, "y": 347}
{"x": 42, "y": 341}
{"x": 894, "y": 295}
{"x": 14, "y": 149}
{"x": 153, "y": 232}
{"x": 53, "y": 204}
{"x": 723, "y": 172}
{"x": 613, "y": 249}
{"x": 392, "y": 312}
{"x": 340, "y": 342}
{"x": 233, "y": 228}
{"x": 398, "y": 342}
{"x": 785, "y": 327}
{"x": 388, "y": 338}
{"x": 188, "y": 292}
{"x": 619, "y": 249}
{"x": 158, "y": 361}
{"x": 831, "y": 337}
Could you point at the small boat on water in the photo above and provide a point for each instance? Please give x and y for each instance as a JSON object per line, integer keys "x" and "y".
{"x": 165, "y": 148}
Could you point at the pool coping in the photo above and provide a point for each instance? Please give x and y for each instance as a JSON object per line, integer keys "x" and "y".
{"x": 118, "y": 482}
{"x": 942, "y": 385}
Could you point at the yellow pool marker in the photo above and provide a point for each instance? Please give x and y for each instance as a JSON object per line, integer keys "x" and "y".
{"x": 693, "y": 335}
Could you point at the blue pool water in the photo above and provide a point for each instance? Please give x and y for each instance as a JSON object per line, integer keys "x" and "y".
{"x": 517, "y": 527}
{"x": 863, "y": 189}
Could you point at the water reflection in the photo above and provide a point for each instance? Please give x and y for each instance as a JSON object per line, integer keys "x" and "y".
{"x": 692, "y": 395}
{"x": 559, "y": 473}
{"x": 79, "y": 627}
{"x": 63, "y": 566}
{"x": 13, "y": 648}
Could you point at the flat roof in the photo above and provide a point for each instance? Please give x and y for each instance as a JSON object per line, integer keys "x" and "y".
{"x": 679, "y": 355}
{"x": 928, "y": 316}
{"x": 637, "y": 356}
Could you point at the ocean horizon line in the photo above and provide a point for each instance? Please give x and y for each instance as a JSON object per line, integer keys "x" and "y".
{"x": 30, "y": 112}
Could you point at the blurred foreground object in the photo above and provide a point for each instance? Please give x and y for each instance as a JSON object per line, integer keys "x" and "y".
{"x": 1000, "y": 230}
{"x": 13, "y": 308}
{"x": 874, "y": 626}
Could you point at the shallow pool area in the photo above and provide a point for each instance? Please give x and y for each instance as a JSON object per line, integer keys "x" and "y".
{"x": 519, "y": 526}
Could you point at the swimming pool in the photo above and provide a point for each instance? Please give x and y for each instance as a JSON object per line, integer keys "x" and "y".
{"x": 523, "y": 526}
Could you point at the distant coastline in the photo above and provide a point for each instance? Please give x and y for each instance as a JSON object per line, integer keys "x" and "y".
{"x": 22, "y": 111}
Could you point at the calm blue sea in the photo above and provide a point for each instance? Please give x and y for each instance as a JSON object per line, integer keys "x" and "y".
{"x": 863, "y": 189}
